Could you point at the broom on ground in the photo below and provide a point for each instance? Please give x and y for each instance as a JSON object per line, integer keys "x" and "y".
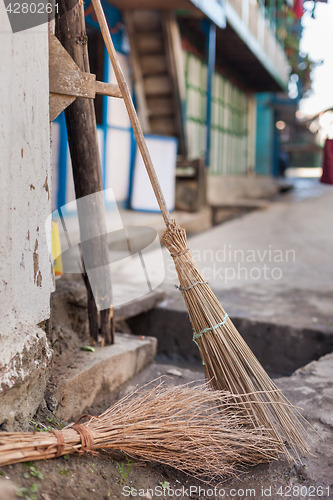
{"x": 229, "y": 362}
{"x": 193, "y": 429}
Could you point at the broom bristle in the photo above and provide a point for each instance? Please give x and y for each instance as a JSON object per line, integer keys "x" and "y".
{"x": 193, "y": 429}
{"x": 228, "y": 361}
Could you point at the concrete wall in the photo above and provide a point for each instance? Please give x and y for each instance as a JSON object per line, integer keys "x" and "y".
{"x": 26, "y": 278}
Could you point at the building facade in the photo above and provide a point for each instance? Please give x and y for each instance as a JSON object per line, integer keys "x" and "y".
{"x": 199, "y": 72}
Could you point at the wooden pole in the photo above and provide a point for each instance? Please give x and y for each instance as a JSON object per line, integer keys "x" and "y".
{"x": 83, "y": 145}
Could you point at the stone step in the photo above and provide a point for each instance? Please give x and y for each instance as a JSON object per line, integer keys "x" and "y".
{"x": 103, "y": 370}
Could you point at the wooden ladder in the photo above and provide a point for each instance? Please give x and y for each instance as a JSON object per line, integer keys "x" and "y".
{"x": 158, "y": 72}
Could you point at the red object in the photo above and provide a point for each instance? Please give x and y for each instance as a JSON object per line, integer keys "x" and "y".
{"x": 298, "y": 8}
{"x": 327, "y": 176}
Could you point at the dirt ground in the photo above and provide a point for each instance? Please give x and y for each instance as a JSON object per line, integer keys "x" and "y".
{"x": 101, "y": 476}
{"x": 106, "y": 476}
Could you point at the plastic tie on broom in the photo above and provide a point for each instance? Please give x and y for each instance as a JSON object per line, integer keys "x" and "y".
{"x": 197, "y": 336}
{"x": 208, "y": 329}
{"x": 184, "y": 288}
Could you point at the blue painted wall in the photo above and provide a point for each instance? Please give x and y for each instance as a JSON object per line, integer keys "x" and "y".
{"x": 114, "y": 20}
{"x": 265, "y": 137}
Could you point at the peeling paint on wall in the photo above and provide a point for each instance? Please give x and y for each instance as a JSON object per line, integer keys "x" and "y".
{"x": 39, "y": 279}
{"x": 46, "y": 187}
{"x": 36, "y": 261}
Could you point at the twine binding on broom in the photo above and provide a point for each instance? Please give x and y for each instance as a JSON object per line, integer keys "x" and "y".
{"x": 87, "y": 439}
{"x": 181, "y": 252}
{"x": 61, "y": 443}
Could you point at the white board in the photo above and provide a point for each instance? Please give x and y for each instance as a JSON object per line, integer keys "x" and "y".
{"x": 163, "y": 151}
{"x": 118, "y": 153}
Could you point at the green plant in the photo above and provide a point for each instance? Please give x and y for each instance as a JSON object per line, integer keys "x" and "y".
{"x": 46, "y": 428}
{"x": 2, "y": 474}
{"x": 29, "y": 493}
{"x": 39, "y": 426}
{"x": 64, "y": 472}
{"x": 124, "y": 473}
{"x": 33, "y": 471}
{"x": 87, "y": 348}
{"x": 53, "y": 420}
{"x": 165, "y": 485}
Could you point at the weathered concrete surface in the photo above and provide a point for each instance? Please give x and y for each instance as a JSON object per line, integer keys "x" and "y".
{"x": 25, "y": 265}
{"x": 77, "y": 377}
{"x": 23, "y": 375}
{"x": 310, "y": 388}
{"x": 101, "y": 371}
{"x": 281, "y": 349}
{"x": 69, "y": 303}
{"x": 228, "y": 189}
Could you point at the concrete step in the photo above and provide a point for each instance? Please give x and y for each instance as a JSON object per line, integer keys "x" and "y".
{"x": 103, "y": 370}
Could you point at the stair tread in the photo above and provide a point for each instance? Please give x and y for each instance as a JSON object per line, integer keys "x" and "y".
{"x": 146, "y": 18}
{"x": 160, "y": 106}
{"x": 163, "y": 126}
{"x": 163, "y": 112}
{"x": 158, "y": 85}
{"x": 153, "y": 64}
{"x": 148, "y": 43}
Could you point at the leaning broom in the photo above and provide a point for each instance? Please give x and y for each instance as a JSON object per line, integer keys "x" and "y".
{"x": 194, "y": 429}
{"x": 229, "y": 363}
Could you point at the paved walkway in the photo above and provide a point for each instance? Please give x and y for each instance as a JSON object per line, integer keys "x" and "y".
{"x": 275, "y": 265}
{"x": 270, "y": 265}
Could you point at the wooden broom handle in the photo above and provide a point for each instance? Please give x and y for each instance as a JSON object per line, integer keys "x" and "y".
{"x": 131, "y": 111}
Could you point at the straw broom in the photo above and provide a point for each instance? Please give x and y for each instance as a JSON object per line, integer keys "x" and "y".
{"x": 193, "y": 429}
{"x": 229, "y": 362}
